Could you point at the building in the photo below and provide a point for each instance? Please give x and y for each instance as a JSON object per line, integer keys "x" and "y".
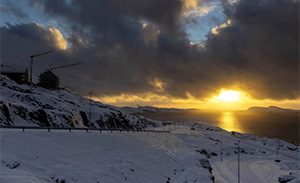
{"x": 49, "y": 80}
{"x": 17, "y": 74}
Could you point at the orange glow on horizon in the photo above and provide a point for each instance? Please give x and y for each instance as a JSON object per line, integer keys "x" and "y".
{"x": 225, "y": 100}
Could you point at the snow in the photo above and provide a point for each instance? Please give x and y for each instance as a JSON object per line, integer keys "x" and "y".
{"x": 257, "y": 157}
{"x": 95, "y": 157}
{"x": 189, "y": 153}
{"x": 24, "y": 105}
{"x": 286, "y": 178}
{"x": 59, "y": 156}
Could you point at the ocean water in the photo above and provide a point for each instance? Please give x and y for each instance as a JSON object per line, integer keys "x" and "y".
{"x": 284, "y": 126}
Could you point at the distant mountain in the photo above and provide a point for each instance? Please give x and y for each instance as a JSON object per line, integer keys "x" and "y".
{"x": 271, "y": 109}
{"x": 24, "y": 105}
{"x": 150, "y": 109}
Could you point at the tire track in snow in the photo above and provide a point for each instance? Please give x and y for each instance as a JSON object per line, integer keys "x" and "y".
{"x": 252, "y": 170}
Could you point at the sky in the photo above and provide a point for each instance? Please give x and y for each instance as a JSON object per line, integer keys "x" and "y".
{"x": 207, "y": 54}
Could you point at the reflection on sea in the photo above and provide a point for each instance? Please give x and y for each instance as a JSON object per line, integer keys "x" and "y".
{"x": 228, "y": 122}
{"x": 284, "y": 126}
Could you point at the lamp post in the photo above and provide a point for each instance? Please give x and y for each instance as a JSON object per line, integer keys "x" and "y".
{"x": 90, "y": 112}
{"x": 221, "y": 148}
{"x": 238, "y": 161}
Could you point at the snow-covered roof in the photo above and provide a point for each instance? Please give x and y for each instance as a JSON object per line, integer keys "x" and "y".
{"x": 13, "y": 69}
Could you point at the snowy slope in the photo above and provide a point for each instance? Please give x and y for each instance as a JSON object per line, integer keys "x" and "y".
{"x": 259, "y": 162}
{"x": 177, "y": 157}
{"x": 23, "y": 105}
{"x": 39, "y": 156}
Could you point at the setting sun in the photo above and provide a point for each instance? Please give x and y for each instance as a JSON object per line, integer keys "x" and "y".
{"x": 229, "y": 96}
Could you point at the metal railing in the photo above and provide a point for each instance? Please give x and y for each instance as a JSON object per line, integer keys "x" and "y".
{"x": 23, "y": 128}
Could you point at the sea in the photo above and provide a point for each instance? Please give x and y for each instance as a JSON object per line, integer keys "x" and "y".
{"x": 284, "y": 126}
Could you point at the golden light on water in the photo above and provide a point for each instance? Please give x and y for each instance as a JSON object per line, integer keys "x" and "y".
{"x": 228, "y": 122}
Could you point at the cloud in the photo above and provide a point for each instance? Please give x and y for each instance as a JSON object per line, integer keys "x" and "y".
{"x": 34, "y": 34}
{"x": 21, "y": 41}
{"x": 58, "y": 38}
{"x": 216, "y": 29}
{"x": 258, "y": 53}
{"x": 12, "y": 9}
{"x": 262, "y": 45}
{"x": 196, "y": 8}
{"x": 157, "y": 84}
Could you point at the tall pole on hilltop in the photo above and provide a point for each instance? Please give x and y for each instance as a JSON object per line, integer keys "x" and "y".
{"x": 31, "y": 63}
{"x": 276, "y": 147}
{"x": 238, "y": 161}
{"x": 90, "y": 112}
{"x": 277, "y": 143}
{"x": 221, "y": 148}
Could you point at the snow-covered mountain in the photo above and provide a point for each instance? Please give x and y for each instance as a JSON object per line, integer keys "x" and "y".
{"x": 150, "y": 109}
{"x": 271, "y": 109}
{"x": 23, "y": 105}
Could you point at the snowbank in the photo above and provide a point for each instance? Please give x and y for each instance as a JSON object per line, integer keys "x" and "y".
{"x": 40, "y": 156}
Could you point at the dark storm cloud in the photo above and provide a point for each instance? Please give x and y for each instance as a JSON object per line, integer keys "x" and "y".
{"x": 18, "y": 42}
{"x": 110, "y": 13}
{"x": 258, "y": 51}
{"x": 263, "y": 45}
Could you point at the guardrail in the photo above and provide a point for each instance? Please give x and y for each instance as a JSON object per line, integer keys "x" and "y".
{"x": 82, "y": 129}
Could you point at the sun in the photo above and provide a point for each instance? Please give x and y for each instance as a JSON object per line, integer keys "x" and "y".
{"x": 229, "y": 96}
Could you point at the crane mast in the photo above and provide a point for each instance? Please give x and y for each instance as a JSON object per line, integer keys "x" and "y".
{"x": 31, "y": 61}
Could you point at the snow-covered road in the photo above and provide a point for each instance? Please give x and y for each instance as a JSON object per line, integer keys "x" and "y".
{"x": 252, "y": 170}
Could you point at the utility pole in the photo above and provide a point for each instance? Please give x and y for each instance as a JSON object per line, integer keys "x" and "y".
{"x": 221, "y": 148}
{"x": 254, "y": 134}
{"x": 277, "y": 147}
{"x": 138, "y": 109}
{"x": 238, "y": 161}
{"x": 90, "y": 112}
{"x": 31, "y": 62}
{"x": 277, "y": 143}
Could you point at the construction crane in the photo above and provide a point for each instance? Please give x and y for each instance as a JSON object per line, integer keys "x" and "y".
{"x": 62, "y": 66}
{"x": 49, "y": 80}
{"x": 31, "y": 61}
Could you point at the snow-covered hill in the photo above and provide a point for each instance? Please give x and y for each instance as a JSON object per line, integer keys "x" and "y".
{"x": 271, "y": 109}
{"x": 23, "y": 105}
